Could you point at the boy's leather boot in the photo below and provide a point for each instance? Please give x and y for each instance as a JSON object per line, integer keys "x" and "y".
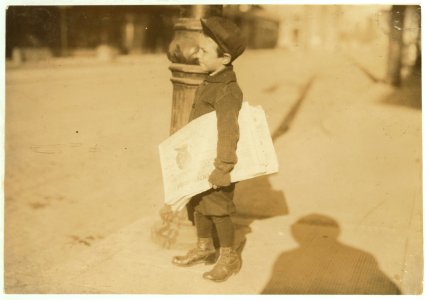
{"x": 204, "y": 252}
{"x": 227, "y": 264}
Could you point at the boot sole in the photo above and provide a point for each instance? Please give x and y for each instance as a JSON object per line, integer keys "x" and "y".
{"x": 226, "y": 278}
{"x": 195, "y": 263}
{"x": 207, "y": 261}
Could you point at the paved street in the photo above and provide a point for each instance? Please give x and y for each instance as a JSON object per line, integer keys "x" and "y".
{"x": 84, "y": 189}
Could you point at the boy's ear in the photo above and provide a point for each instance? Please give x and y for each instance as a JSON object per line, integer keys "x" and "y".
{"x": 226, "y": 59}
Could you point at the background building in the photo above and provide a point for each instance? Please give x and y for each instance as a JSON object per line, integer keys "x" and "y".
{"x": 40, "y": 32}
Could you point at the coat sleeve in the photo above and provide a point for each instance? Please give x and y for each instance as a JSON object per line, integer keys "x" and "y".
{"x": 227, "y": 109}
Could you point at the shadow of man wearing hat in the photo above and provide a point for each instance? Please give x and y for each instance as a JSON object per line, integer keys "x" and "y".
{"x": 323, "y": 265}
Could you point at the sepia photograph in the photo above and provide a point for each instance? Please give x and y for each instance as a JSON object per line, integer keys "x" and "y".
{"x": 213, "y": 149}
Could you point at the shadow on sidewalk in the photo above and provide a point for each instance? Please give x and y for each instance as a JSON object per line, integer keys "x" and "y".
{"x": 255, "y": 199}
{"x": 408, "y": 94}
{"x": 290, "y": 116}
{"x": 323, "y": 265}
{"x": 365, "y": 70}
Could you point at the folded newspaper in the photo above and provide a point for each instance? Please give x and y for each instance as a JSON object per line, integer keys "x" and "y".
{"x": 187, "y": 156}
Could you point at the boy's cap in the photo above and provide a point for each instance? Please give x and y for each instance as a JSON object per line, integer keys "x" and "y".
{"x": 226, "y": 34}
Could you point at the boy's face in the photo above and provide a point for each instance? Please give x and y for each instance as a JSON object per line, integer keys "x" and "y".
{"x": 207, "y": 55}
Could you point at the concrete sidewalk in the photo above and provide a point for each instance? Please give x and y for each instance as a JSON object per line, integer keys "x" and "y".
{"x": 343, "y": 215}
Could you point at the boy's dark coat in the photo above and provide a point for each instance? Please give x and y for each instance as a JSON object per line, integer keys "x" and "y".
{"x": 222, "y": 94}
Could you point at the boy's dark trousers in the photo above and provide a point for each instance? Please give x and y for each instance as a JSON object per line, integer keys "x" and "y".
{"x": 215, "y": 203}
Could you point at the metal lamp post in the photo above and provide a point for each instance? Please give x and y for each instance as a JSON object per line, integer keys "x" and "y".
{"x": 174, "y": 230}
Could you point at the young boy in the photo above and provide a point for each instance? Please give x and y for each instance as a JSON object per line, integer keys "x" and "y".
{"x": 221, "y": 43}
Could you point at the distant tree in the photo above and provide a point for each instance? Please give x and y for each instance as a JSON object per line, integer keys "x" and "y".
{"x": 397, "y": 17}
{"x": 418, "y": 61}
{"x": 404, "y": 55}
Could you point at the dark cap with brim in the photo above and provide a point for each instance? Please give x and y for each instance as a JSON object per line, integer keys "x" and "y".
{"x": 226, "y": 34}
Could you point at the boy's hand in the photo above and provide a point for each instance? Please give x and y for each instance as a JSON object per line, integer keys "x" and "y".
{"x": 219, "y": 179}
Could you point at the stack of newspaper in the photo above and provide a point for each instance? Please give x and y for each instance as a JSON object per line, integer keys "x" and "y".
{"x": 188, "y": 155}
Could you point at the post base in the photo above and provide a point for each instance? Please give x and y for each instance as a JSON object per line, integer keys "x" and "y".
{"x": 173, "y": 230}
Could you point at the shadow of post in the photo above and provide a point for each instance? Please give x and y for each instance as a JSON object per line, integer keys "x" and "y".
{"x": 323, "y": 265}
{"x": 290, "y": 116}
